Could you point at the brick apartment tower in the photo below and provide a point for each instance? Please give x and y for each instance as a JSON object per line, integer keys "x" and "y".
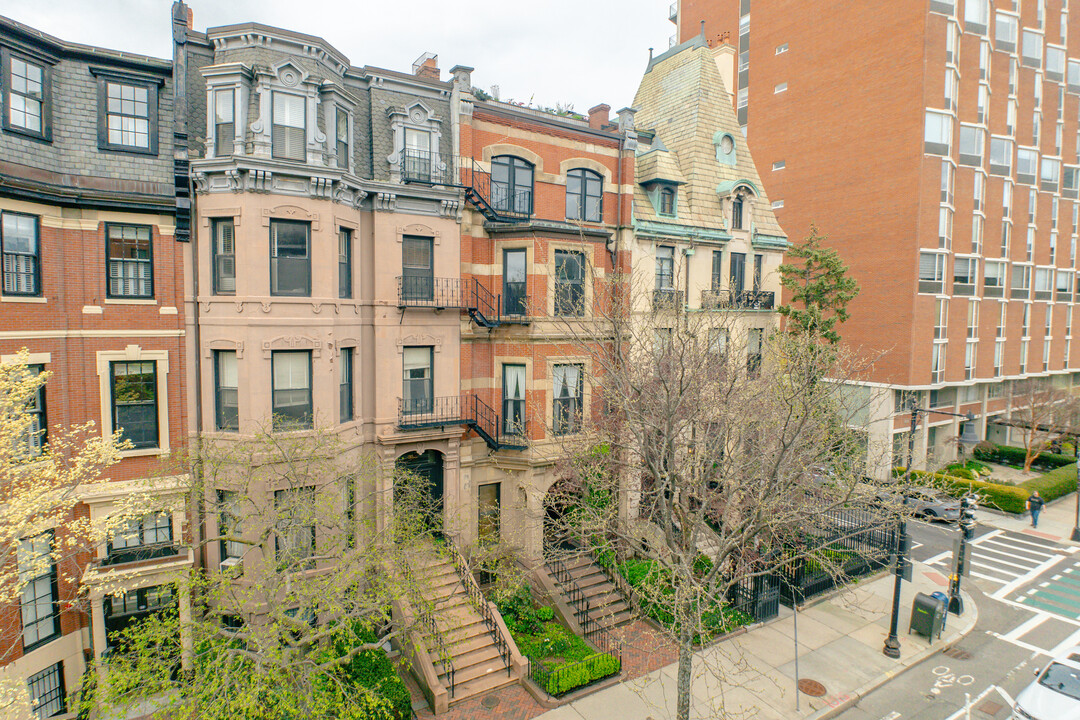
{"x": 92, "y": 288}
{"x": 935, "y": 143}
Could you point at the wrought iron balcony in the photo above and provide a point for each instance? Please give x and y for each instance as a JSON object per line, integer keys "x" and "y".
{"x": 484, "y": 307}
{"x": 465, "y": 409}
{"x": 494, "y": 200}
{"x": 727, "y": 298}
{"x": 668, "y": 299}
{"x": 429, "y": 292}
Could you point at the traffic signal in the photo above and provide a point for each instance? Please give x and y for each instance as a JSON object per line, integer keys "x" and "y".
{"x": 967, "y": 517}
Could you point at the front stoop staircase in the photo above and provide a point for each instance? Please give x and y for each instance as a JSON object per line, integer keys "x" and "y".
{"x": 469, "y": 647}
{"x": 588, "y": 590}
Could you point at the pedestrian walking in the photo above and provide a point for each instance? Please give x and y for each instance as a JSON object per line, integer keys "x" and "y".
{"x": 1035, "y": 506}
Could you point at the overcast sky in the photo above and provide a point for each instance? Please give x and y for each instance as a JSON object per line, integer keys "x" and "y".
{"x": 582, "y": 52}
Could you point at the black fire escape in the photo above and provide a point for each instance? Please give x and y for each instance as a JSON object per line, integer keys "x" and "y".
{"x": 498, "y": 431}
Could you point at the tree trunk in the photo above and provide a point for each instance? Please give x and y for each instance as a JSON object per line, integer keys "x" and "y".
{"x": 686, "y": 661}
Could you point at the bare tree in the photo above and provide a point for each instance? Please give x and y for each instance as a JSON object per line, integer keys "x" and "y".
{"x": 311, "y": 566}
{"x": 716, "y": 450}
{"x": 1040, "y": 412}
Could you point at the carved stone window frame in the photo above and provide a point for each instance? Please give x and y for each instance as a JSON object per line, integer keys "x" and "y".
{"x": 415, "y": 116}
{"x": 235, "y": 77}
{"x": 288, "y": 77}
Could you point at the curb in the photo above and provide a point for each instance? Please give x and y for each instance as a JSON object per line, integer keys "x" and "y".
{"x": 861, "y": 692}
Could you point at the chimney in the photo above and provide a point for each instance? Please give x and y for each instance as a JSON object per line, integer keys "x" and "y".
{"x": 190, "y": 18}
{"x": 427, "y": 66}
{"x": 724, "y": 55}
{"x": 598, "y": 116}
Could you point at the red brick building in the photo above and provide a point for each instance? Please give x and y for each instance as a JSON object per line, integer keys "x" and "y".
{"x": 935, "y": 143}
{"x": 92, "y": 288}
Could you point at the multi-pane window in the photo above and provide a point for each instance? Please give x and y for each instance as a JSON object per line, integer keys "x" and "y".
{"x": 418, "y": 157}
{"x": 229, "y": 524}
{"x": 952, "y": 85}
{"x": 36, "y": 431}
{"x": 344, "y": 239}
{"x": 667, "y": 202}
{"x": 737, "y": 213}
{"x": 978, "y": 190}
{"x": 1051, "y": 174}
{"x": 584, "y": 195}
{"x": 1032, "y": 49}
{"x": 1003, "y": 315}
{"x": 945, "y": 223}
{"x": 567, "y": 390}
{"x": 717, "y": 270}
{"x": 973, "y": 319}
{"x": 27, "y": 92}
{"x": 128, "y": 116}
{"x": 941, "y": 318}
{"x": 515, "y": 282}
{"x": 753, "y": 351}
{"x": 22, "y": 254}
{"x": 969, "y": 360}
{"x": 965, "y": 270}
{"x": 134, "y": 402}
{"x": 37, "y": 574}
{"x": 294, "y": 540}
{"x": 1006, "y": 29}
{"x": 931, "y": 272}
{"x": 1027, "y": 165}
{"x": 947, "y": 179}
{"x": 1073, "y": 74}
{"x": 511, "y": 184}
{"x": 417, "y": 390}
{"x": 46, "y": 689}
{"x": 223, "y": 251}
{"x": 292, "y": 404}
{"x": 142, "y": 537}
{"x": 999, "y": 357}
{"x": 937, "y": 363}
{"x": 976, "y": 16}
{"x": 288, "y": 136}
{"x": 1001, "y": 150}
{"x": 737, "y": 273}
{"x": 569, "y": 283}
{"x": 417, "y": 268}
{"x": 993, "y": 278}
{"x": 976, "y": 233}
{"x": 938, "y": 133}
{"x": 665, "y": 267}
{"x": 224, "y": 122}
{"x": 513, "y": 399}
{"x": 718, "y": 340}
{"x": 972, "y": 142}
{"x": 131, "y": 267}
{"x": 1006, "y": 199}
{"x": 1055, "y": 63}
{"x": 290, "y": 258}
{"x": 226, "y": 392}
{"x": 341, "y": 138}
{"x": 345, "y": 386}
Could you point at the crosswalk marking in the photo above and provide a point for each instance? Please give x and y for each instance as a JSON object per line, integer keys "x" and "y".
{"x": 1005, "y": 559}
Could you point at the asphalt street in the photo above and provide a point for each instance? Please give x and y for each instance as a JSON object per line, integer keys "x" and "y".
{"x": 1028, "y": 593}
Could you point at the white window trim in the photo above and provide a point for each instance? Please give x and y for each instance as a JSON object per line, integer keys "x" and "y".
{"x": 134, "y": 353}
{"x": 416, "y": 116}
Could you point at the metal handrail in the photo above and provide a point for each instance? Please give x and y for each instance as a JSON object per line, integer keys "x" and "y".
{"x": 590, "y": 627}
{"x": 476, "y": 596}
{"x": 427, "y": 621}
{"x": 433, "y": 292}
{"x": 718, "y": 298}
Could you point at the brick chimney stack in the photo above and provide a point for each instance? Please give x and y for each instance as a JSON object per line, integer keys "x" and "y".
{"x": 427, "y": 66}
{"x": 598, "y": 116}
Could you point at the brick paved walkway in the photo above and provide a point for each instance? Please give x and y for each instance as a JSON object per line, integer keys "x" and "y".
{"x": 644, "y": 650}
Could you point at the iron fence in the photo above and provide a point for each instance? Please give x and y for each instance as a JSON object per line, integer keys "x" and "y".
{"x": 757, "y": 596}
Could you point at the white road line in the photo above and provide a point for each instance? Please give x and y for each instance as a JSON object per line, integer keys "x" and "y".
{"x": 1035, "y": 572}
{"x": 965, "y": 712}
{"x": 988, "y": 536}
{"x": 1020, "y": 643}
{"x": 987, "y": 577}
{"x": 1025, "y": 627}
{"x": 939, "y": 558}
{"x": 1041, "y": 546}
{"x": 995, "y": 568}
{"x": 1014, "y": 551}
{"x": 982, "y": 556}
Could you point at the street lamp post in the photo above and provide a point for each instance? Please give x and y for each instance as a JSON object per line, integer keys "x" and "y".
{"x": 892, "y": 643}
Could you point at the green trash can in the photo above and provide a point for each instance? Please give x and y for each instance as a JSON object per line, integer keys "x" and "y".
{"x": 927, "y": 616}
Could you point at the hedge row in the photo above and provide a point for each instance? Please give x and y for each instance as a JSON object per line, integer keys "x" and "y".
{"x": 1007, "y": 498}
{"x": 1053, "y": 484}
{"x": 1006, "y": 455}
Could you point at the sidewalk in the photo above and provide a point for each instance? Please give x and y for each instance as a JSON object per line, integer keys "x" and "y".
{"x": 1056, "y": 522}
{"x": 840, "y": 641}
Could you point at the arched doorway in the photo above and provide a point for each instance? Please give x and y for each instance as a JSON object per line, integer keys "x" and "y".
{"x": 558, "y": 501}
{"x": 428, "y": 467}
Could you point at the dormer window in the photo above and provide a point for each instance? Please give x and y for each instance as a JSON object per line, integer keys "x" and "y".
{"x": 737, "y": 213}
{"x": 289, "y": 128}
{"x": 341, "y": 144}
{"x": 725, "y": 148}
{"x": 224, "y": 122}
{"x": 667, "y": 202}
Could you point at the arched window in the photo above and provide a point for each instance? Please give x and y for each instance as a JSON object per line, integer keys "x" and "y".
{"x": 667, "y": 201}
{"x": 511, "y": 184}
{"x": 737, "y": 213}
{"x": 584, "y": 195}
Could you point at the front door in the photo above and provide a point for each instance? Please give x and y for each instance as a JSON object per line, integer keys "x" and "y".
{"x": 428, "y": 468}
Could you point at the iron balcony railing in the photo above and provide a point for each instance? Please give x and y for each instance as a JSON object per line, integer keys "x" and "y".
{"x": 485, "y": 307}
{"x": 667, "y": 299}
{"x": 497, "y": 201}
{"x": 465, "y": 409}
{"x": 729, "y": 298}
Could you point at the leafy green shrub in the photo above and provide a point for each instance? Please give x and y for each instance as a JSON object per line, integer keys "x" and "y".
{"x": 372, "y": 669}
{"x": 957, "y": 470}
{"x": 518, "y": 609}
{"x": 1006, "y": 498}
{"x": 589, "y": 669}
{"x": 1007, "y": 455}
{"x": 1053, "y": 484}
{"x": 550, "y": 642}
{"x": 545, "y": 614}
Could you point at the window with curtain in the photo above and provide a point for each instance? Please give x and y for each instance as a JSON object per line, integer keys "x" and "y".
{"x": 224, "y": 122}
{"x": 569, "y": 283}
{"x": 21, "y": 254}
{"x": 417, "y": 268}
{"x": 290, "y": 258}
{"x": 226, "y": 393}
{"x": 567, "y": 386}
{"x": 131, "y": 268}
{"x": 513, "y": 399}
{"x": 288, "y": 134}
{"x": 417, "y": 386}
{"x": 292, "y": 404}
{"x": 223, "y": 250}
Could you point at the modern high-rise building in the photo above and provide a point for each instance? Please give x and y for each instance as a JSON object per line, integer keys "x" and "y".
{"x": 936, "y": 144}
